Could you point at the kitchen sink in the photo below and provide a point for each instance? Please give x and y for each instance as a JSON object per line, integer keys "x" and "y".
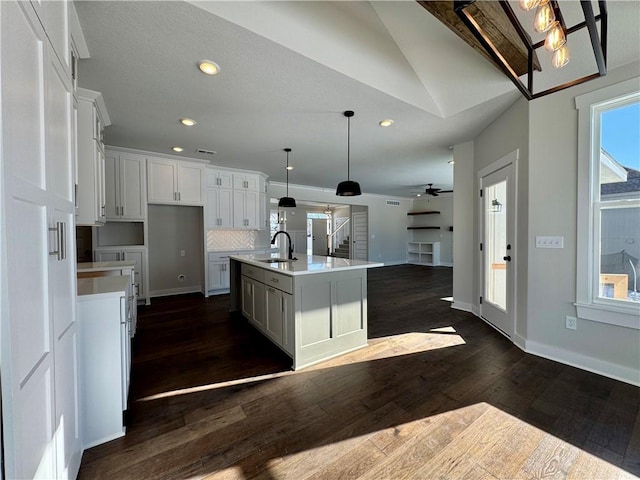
{"x": 276, "y": 260}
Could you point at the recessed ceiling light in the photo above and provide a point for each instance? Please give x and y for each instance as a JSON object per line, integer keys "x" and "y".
{"x": 451, "y": 162}
{"x": 289, "y": 167}
{"x": 177, "y": 149}
{"x": 418, "y": 194}
{"x": 386, "y": 123}
{"x": 187, "y": 122}
{"x": 208, "y": 67}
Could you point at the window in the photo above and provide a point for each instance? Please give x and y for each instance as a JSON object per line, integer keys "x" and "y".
{"x": 608, "y": 262}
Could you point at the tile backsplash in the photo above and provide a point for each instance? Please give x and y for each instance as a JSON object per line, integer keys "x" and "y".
{"x": 232, "y": 240}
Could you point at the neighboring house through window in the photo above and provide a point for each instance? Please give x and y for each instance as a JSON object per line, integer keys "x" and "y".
{"x": 608, "y": 250}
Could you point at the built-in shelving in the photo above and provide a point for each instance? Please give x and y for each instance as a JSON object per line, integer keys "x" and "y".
{"x": 423, "y": 253}
{"x": 423, "y": 228}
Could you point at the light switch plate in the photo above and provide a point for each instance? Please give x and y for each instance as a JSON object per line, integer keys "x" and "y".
{"x": 549, "y": 242}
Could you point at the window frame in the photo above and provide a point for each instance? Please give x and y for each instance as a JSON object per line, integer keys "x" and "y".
{"x": 589, "y": 304}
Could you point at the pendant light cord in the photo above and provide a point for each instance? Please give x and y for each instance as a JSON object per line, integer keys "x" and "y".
{"x": 348, "y": 146}
{"x": 287, "y": 174}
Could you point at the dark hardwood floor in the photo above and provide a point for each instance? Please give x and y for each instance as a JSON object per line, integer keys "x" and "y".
{"x": 436, "y": 394}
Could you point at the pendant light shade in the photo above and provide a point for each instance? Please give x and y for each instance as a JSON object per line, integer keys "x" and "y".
{"x": 348, "y": 188}
{"x": 287, "y": 202}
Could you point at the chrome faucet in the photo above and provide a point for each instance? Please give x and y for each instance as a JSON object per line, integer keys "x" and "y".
{"x": 273, "y": 242}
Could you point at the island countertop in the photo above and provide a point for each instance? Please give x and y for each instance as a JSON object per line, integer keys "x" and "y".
{"x": 104, "y": 266}
{"x": 305, "y": 264}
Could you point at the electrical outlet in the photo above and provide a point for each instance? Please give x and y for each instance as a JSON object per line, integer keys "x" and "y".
{"x": 571, "y": 322}
{"x": 182, "y": 253}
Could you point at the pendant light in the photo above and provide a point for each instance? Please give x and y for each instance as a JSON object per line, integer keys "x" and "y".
{"x": 348, "y": 188}
{"x": 287, "y": 202}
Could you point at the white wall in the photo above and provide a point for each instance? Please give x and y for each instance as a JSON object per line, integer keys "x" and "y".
{"x": 553, "y": 181}
{"x": 546, "y": 133}
{"x": 387, "y": 224}
{"x": 464, "y": 217}
{"x": 172, "y": 229}
{"x": 444, "y": 205}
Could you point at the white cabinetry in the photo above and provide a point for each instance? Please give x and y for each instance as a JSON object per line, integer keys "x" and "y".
{"x": 245, "y": 209}
{"x": 218, "y": 272}
{"x": 219, "y": 201}
{"x": 40, "y": 408}
{"x": 105, "y": 350}
{"x": 125, "y": 187}
{"x": 423, "y": 253}
{"x": 174, "y": 182}
{"x": 135, "y": 254}
{"x": 267, "y": 302}
{"x": 246, "y": 181}
{"x": 92, "y": 118}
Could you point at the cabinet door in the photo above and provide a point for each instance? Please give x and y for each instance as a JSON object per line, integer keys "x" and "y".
{"x": 138, "y": 270}
{"x": 247, "y": 297}
{"x": 251, "y": 209}
{"x": 259, "y": 299}
{"x": 216, "y": 275}
{"x": 225, "y": 207}
{"x": 131, "y": 188}
{"x": 161, "y": 181}
{"x": 226, "y": 277}
{"x": 101, "y": 187}
{"x": 274, "y": 310}
{"x": 238, "y": 209}
{"x": 212, "y": 219}
{"x": 111, "y": 187}
{"x": 246, "y": 181}
{"x": 190, "y": 184}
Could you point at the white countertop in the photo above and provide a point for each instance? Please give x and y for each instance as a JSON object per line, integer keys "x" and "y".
{"x": 114, "y": 285}
{"x": 104, "y": 266}
{"x": 306, "y": 264}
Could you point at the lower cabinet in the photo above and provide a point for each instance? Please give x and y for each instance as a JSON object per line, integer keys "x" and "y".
{"x": 104, "y": 317}
{"x": 136, "y": 254}
{"x": 218, "y": 275}
{"x": 267, "y": 307}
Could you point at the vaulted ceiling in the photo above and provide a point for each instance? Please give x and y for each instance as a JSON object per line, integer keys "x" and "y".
{"x": 288, "y": 71}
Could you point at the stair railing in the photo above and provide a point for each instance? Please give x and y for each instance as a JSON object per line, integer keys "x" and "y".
{"x": 331, "y": 238}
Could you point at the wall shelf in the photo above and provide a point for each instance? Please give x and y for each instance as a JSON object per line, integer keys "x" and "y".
{"x": 424, "y": 212}
{"x": 423, "y": 228}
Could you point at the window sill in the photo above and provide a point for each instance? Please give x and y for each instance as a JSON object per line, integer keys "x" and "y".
{"x": 622, "y": 316}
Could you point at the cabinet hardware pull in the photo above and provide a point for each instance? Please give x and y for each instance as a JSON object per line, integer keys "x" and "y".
{"x": 60, "y": 237}
{"x": 275, "y": 280}
{"x": 179, "y": 198}
{"x": 122, "y": 211}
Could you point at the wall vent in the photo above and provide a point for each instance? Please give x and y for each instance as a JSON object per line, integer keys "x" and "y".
{"x": 393, "y": 203}
{"x": 208, "y": 152}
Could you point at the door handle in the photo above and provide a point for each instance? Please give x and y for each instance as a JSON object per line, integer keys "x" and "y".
{"x": 507, "y": 258}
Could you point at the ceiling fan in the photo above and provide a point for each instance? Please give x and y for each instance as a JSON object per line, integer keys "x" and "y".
{"x": 434, "y": 192}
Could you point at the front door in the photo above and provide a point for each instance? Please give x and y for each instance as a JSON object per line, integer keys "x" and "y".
{"x": 498, "y": 240}
{"x": 319, "y": 236}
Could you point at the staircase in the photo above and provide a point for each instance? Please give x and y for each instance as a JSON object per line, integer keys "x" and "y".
{"x": 342, "y": 250}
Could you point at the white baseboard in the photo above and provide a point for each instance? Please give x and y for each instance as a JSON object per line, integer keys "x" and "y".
{"x": 465, "y": 307}
{"x": 445, "y": 264}
{"x": 583, "y": 362}
{"x": 175, "y": 291}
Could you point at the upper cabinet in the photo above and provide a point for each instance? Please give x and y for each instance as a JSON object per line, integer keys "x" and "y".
{"x": 219, "y": 178}
{"x": 92, "y": 118}
{"x": 175, "y": 182}
{"x": 246, "y": 181}
{"x": 125, "y": 183}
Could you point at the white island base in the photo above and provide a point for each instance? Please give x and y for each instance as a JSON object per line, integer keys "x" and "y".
{"x": 314, "y": 308}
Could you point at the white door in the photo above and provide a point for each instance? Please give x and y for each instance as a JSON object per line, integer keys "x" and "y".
{"x": 359, "y": 230}
{"x": 497, "y": 219}
{"x": 319, "y": 236}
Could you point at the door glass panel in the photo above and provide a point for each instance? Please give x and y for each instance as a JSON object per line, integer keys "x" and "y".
{"x": 495, "y": 242}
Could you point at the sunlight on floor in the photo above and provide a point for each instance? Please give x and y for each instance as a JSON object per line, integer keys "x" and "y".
{"x": 447, "y": 299}
{"x": 379, "y": 348}
{"x": 478, "y": 441}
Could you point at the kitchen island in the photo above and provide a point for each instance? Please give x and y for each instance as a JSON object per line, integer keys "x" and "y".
{"x": 313, "y": 308}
